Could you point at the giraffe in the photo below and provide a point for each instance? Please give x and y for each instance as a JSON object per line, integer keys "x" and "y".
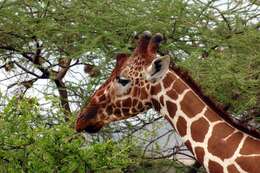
{"x": 145, "y": 80}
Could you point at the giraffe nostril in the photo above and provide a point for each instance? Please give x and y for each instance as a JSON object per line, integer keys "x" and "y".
{"x": 92, "y": 128}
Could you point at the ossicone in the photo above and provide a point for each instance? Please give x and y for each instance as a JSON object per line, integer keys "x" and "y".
{"x": 148, "y": 45}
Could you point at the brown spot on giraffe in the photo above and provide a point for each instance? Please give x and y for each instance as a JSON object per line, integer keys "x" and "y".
{"x": 181, "y": 126}
{"x": 199, "y": 129}
{"x": 179, "y": 86}
{"x": 156, "y": 105}
{"x": 250, "y": 145}
{"x": 232, "y": 169}
{"x": 102, "y": 98}
{"x": 223, "y": 137}
{"x": 148, "y": 104}
{"x": 148, "y": 87}
{"x": 140, "y": 105}
{"x": 118, "y": 103}
{"x": 127, "y": 102}
{"x": 142, "y": 84}
{"x": 137, "y": 81}
{"x": 125, "y": 111}
{"x": 172, "y": 108}
{"x": 117, "y": 112}
{"x": 191, "y": 105}
{"x": 215, "y": 167}
{"x": 211, "y": 115}
{"x": 144, "y": 93}
{"x": 168, "y": 80}
{"x": 109, "y": 109}
{"x": 249, "y": 164}
{"x": 156, "y": 89}
{"x": 134, "y": 110}
{"x": 172, "y": 94}
{"x": 199, "y": 153}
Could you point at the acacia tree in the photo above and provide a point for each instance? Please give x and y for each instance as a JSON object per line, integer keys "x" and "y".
{"x": 46, "y": 42}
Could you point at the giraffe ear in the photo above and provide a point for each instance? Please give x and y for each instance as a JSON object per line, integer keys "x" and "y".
{"x": 158, "y": 68}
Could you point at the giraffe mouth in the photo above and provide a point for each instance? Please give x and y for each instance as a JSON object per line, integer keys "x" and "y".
{"x": 89, "y": 128}
{"x": 88, "y": 125}
{"x": 92, "y": 129}
{"x": 88, "y": 121}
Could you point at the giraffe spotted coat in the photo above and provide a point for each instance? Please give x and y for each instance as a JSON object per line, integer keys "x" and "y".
{"x": 144, "y": 80}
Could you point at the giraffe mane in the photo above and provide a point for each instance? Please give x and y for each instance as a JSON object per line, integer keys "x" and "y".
{"x": 239, "y": 124}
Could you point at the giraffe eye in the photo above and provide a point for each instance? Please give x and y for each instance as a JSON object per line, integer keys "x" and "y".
{"x": 122, "y": 81}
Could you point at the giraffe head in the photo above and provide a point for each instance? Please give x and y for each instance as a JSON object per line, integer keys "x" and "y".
{"x": 127, "y": 91}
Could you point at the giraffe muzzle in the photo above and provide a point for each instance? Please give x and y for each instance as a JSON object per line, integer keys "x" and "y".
{"x": 87, "y": 120}
{"x": 92, "y": 129}
{"x": 88, "y": 126}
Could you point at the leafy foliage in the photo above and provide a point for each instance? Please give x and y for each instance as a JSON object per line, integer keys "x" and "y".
{"x": 28, "y": 145}
{"x": 230, "y": 74}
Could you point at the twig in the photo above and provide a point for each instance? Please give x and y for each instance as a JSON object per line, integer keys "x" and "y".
{"x": 26, "y": 70}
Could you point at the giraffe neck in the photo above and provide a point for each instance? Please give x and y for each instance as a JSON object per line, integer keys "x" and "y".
{"x": 217, "y": 145}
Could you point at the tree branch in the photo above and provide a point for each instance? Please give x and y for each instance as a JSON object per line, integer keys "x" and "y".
{"x": 46, "y": 73}
{"x": 26, "y": 70}
{"x": 64, "y": 68}
{"x": 65, "y": 64}
{"x": 63, "y": 98}
{"x": 2, "y": 66}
